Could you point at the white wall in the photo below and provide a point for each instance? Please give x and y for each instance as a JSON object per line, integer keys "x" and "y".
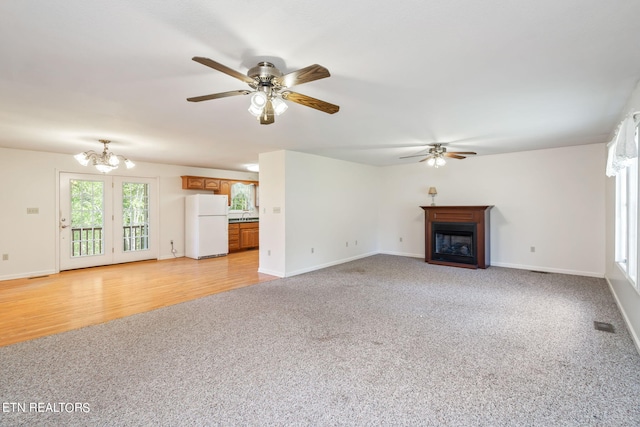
{"x": 627, "y": 297}
{"x": 550, "y": 199}
{"x": 30, "y": 179}
{"x": 272, "y": 213}
{"x": 328, "y": 212}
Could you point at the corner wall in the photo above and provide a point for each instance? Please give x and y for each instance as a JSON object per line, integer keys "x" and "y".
{"x": 550, "y": 199}
{"x": 330, "y": 207}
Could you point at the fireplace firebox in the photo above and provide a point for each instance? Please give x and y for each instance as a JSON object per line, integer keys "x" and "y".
{"x": 454, "y": 242}
{"x": 457, "y": 236}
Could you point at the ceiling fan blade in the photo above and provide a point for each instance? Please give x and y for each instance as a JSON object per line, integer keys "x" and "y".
{"x": 454, "y": 156}
{"x": 218, "y": 95}
{"x": 415, "y": 155}
{"x": 425, "y": 159}
{"x": 223, "y": 68}
{"x": 308, "y": 101}
{"x": 304, "y": 75}
{"x": 268, "y": 116}
{"x": 463, "y": 152}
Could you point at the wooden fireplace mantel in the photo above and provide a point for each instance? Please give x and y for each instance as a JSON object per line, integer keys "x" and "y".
{"x": 478, "y": 215}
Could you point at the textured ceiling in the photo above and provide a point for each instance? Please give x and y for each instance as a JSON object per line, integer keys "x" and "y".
{"x": 491, "y": 76}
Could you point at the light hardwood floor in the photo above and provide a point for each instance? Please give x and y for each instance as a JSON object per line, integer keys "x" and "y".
{"x": 37, "y": 307}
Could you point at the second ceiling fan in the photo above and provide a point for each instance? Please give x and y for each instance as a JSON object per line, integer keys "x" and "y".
{"x": 270, "y": 87}
{"x": 436, "y": 154}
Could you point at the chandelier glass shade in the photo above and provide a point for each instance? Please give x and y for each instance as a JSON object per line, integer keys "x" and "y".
{"x": 104, "y": 162}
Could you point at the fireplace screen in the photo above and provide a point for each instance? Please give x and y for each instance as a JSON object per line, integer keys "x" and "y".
{"x": 457, "y": 244}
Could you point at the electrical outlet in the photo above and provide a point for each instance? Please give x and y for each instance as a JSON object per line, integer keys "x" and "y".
{"x": 269, "y": 252}
{"x": 356, "y": 243}
{"x": 346, "y": 244}
{"x": 401, "y": 240}
{"x": 5, "y": 257}
{"x": 533, "y": 249}
{"x": 311, "y": 250}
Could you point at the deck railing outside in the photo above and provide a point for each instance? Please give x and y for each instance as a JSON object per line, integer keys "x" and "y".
{"x": 89, "y": 241}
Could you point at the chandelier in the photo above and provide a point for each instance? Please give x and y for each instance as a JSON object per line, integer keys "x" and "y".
{"x": 105, "y": 161}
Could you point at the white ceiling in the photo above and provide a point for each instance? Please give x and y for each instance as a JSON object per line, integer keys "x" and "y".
{"x": 490, "y": 76}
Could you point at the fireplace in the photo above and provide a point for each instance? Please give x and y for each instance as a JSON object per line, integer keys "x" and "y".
{"x": 454, "y": 242}
{"x": 457, "y": 236}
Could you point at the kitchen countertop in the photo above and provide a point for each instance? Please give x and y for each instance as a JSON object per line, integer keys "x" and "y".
{"x": 236, "y": 220}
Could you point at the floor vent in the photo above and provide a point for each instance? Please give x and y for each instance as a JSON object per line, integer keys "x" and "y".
{"x": 602, "y": 326}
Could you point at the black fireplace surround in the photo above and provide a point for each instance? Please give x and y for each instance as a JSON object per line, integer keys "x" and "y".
{"x": 454, "y": 242}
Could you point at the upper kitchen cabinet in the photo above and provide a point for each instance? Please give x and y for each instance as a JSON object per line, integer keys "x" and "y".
{"x": 200, "y": 183}
{"x": 225, "y": 189}
{"x": 242, "y": 195}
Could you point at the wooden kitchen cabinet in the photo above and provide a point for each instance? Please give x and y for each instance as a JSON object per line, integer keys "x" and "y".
{"x": 249, "y": 235}
{"x": 225, "y": 189}
{"x": 234, "y": 237}
{"x": 211, "y": 184}
{"x": 244, "y": 235}
{"x": 216, "y": 185}
{"x": 192, "y": 182}
{"x": 200, "y": 183}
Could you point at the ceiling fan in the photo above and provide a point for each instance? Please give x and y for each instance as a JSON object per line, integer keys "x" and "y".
{"x": 437, "y": 153}
{"x": 270, "y": 88}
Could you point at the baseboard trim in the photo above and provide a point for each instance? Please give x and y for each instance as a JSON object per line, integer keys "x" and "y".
{"x": 29, "y": 275}
{"x": 632, "y": 332}
{"x": 270, "y": 272}
{"x": 163, "y": 257}
{"x": 329, "y": 264}
{"x": 549, "y": 269}
{"x": 406, "y": 254}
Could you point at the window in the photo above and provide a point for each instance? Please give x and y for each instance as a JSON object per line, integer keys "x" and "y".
{"x": 627, "y": 219}
{"x": 242, "y": 197}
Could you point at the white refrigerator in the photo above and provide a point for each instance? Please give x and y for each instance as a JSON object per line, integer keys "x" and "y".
{"x": 206, "y": 226}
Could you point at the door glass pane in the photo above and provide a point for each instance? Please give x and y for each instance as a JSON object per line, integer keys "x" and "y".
{"x": 87, "y": 218}
{"x": 135, "y": 216}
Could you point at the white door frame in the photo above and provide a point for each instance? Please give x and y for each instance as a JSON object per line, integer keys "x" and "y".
{"x": 113, "y": 252}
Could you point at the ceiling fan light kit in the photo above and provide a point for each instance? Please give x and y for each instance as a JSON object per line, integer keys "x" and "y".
{"x": 270, "y": 88}
{"x": 437, "y": 153}
{"x": 106, "y": 161}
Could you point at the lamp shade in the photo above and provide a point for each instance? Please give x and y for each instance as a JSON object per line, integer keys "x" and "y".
{"x": 432, "y": 191}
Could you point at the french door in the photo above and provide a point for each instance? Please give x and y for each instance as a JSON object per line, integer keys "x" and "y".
{"x": 106, "y": 219}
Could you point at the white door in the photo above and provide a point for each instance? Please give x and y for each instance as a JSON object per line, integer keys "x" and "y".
{"x": 106, "y": 219}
